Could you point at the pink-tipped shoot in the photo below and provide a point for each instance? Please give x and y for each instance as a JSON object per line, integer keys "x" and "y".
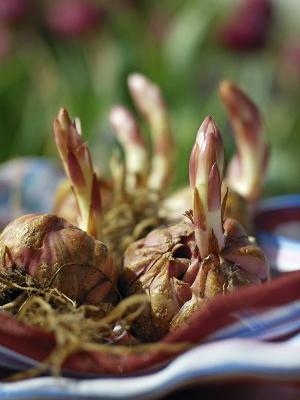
{"x": 205, "y": 170}
{"x": 78, "y": 166}
{"x": 148, "y": 99}
{"x": 247, "y": 169}
{"x": 127, "y": 131}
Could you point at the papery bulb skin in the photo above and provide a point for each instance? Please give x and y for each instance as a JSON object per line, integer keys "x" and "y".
{"x": 59, "y": 254}
{"x": 152, "y": 265}
{"x": 166, "y": 266}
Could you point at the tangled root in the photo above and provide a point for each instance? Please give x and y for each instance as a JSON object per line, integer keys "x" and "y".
{"x": 85, "y": 328}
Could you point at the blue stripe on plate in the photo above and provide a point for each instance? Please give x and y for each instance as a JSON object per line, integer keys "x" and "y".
{"x": 283, "y": 253}
{"x": 278, "y": 241}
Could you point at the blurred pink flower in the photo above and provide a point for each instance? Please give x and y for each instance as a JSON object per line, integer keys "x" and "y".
{"x": 12, "y": 10}
{"x": 249, "y": 26}
{"x": 70, "y": 18}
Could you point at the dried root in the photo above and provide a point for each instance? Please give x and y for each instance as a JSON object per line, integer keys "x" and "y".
{"x": 84, "y": 328}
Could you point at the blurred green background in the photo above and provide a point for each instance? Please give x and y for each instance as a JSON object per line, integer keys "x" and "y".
{"x": 78, "y": 53}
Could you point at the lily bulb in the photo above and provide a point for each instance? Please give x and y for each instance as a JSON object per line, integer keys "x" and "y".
{"x": 184, "y": 265}
{"x": 59, "y": 255}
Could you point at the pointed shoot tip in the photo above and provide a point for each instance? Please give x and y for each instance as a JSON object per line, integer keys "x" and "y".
{"x": 64, "y": 118}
